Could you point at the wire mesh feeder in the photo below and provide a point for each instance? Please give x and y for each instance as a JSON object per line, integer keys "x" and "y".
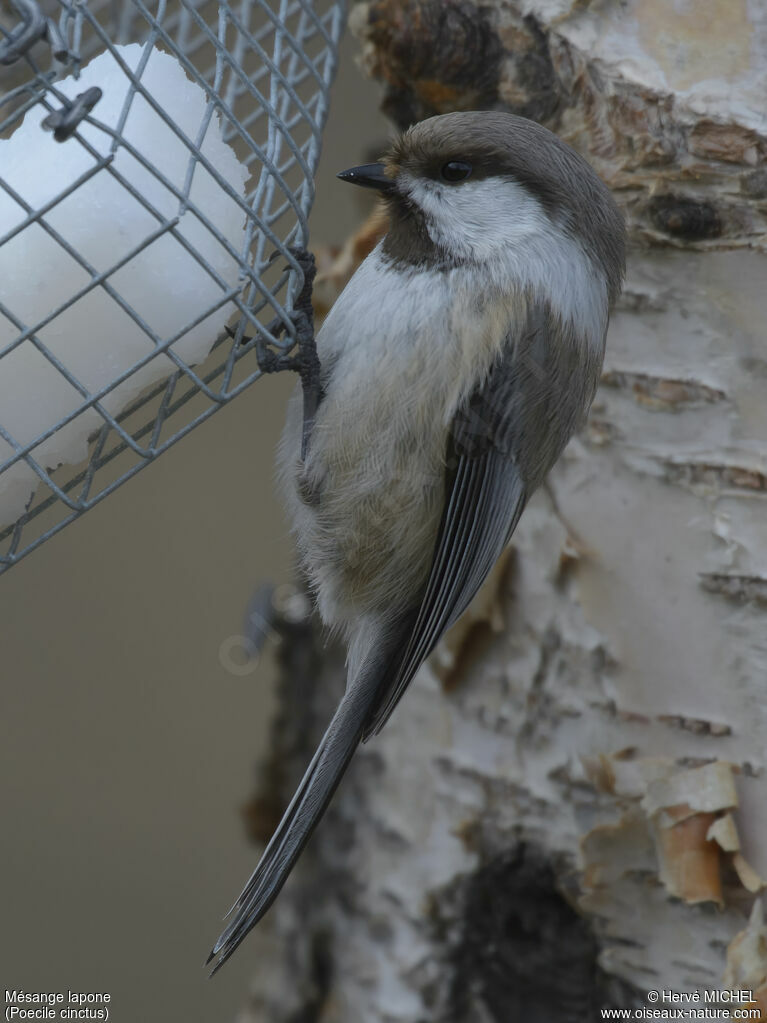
{"x": 149, "y": 202}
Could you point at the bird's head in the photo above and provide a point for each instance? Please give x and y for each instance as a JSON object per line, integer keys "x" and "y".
{"x": 467, "y": 187}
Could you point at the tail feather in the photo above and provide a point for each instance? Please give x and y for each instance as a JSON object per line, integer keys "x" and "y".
{"x": 304, "y": 812}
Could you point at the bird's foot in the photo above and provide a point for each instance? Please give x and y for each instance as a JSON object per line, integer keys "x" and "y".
{"x": 303, "y": 358}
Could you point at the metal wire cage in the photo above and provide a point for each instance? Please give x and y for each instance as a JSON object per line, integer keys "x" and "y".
{"x": 137, "y": 221}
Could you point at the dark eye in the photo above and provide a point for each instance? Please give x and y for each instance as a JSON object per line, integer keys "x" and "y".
{"x": 456, "y": 170}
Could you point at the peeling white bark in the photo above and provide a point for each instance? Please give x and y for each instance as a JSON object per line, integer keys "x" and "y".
{"x": 605, "y": 699}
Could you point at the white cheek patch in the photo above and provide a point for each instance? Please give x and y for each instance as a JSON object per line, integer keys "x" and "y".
{"x": 498, "y": 226}
{"x": 477, "y": 218}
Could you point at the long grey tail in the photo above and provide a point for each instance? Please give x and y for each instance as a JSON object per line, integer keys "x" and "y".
{"x": 301, "y": 817}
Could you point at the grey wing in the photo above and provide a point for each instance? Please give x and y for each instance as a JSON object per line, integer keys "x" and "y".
{"x": 502, "y": 442}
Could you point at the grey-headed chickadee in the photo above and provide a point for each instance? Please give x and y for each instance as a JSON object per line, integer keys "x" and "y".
{"x": 455, "y": 366}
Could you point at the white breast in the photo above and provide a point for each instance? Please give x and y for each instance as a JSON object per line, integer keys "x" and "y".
{"x": 402, "y": 349}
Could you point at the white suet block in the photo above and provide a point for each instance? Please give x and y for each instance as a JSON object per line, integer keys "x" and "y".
{"x": 164, "y": 284}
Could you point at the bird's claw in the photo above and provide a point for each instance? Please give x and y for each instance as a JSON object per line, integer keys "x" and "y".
{"x": 303, "y": 358}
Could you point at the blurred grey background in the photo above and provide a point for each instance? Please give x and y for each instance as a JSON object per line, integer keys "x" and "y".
{"x": 127, "y": 747}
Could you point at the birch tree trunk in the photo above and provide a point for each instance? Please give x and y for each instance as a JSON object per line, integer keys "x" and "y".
{"x": 567, "y": 810}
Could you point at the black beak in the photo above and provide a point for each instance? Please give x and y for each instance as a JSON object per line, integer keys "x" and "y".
{"x": 369, "y": 175}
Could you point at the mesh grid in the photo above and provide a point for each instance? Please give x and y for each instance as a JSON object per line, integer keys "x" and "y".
{"x": 266, "y": 69}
